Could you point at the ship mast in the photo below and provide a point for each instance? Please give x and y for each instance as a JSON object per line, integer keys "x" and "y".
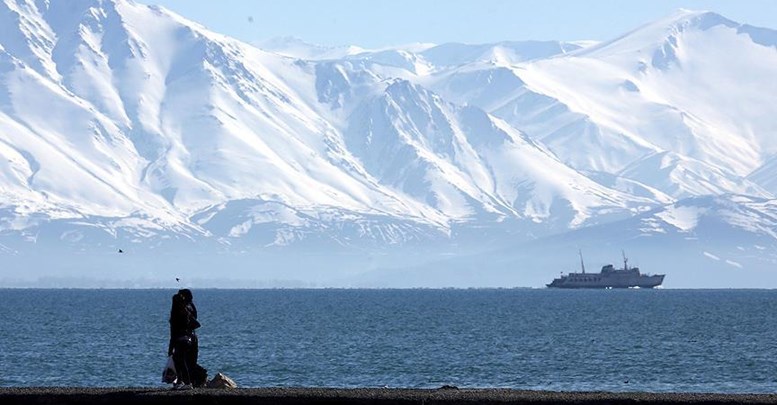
{"x": 625, "y": 261}
{"x": 582, "y": 265}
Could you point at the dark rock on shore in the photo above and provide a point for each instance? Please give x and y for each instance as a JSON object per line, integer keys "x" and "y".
{"x": 359, "y": 396}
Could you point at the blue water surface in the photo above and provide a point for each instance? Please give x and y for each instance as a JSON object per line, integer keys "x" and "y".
{"x": 608, "y": 340}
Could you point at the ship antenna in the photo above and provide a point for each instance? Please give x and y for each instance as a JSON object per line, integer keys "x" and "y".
{"x": 625, "y": 261}
{"x": 582, "y": 265}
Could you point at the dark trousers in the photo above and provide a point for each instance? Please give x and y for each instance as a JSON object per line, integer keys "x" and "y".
{"x": 182, "y": 357}
{"x": 198, "y": 375}
{"x": 194, "y": 351}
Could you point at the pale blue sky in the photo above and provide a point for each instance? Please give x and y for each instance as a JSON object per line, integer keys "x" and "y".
{"x": 376, "y": 23}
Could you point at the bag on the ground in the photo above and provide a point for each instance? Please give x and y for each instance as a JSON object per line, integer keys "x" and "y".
{"x": 168, "y": 373}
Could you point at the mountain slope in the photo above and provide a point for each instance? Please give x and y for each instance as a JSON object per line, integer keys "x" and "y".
{"x": 693, "y": 84}
{"x": 195, "y": 119}
{"x": 466, "y": 164}
{"x": 683, "y": 93}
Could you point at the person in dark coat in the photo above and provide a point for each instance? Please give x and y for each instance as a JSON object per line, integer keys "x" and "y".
{"x": 183, "y": 344}
{"x": 195, "y": 371}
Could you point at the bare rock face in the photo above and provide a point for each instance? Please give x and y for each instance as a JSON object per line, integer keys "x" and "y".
{"x": 221, "y": 381}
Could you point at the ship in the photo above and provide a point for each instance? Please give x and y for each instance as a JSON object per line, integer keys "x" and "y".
{"x": 608, "y": 277}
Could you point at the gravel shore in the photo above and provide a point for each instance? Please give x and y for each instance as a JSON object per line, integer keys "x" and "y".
{"x": 371, "y": 396}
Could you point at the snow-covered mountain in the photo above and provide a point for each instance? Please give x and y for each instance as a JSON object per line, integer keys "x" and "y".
{"x": 125, "y": 126}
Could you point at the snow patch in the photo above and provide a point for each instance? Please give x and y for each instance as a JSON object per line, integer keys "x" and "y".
{"x": 734, "y": 264}
{"x": 685, "y": 218}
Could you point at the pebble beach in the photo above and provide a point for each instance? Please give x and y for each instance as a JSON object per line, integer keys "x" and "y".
{"x": 372, "y": 396}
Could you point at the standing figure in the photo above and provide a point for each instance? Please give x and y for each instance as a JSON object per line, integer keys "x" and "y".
{"x": 198, "y": 374}
{"x": 183, "y": 344}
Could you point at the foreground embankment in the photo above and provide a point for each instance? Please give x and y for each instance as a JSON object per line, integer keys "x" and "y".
{"x": 361, "y": 396}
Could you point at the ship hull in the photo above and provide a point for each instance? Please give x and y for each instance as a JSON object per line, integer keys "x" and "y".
{"x": 642, "y": 281}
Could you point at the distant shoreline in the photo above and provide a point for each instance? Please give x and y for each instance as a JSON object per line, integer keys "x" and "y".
{"x": 171, "y": 288}
{"x": 358, "y": 396}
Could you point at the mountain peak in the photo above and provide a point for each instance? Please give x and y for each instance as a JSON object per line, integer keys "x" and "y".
{"x": 659, "y": 38}
{"x": 700, "y": 19}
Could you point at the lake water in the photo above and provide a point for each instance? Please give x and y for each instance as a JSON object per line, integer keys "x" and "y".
{"x": 612, "y": 340}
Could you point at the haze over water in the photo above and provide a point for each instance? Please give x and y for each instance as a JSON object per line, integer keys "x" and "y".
{"x": 610, "y": 340}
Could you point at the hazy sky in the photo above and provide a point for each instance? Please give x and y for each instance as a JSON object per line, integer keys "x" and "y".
{"x": 376, "y": 23}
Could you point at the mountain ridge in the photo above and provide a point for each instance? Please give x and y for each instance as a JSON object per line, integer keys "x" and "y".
{"x": 126, "y": 125}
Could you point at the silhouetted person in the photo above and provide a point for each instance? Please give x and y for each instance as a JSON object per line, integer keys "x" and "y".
{"x": 183, "y": 344}
{"x": 194, "y": 368}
